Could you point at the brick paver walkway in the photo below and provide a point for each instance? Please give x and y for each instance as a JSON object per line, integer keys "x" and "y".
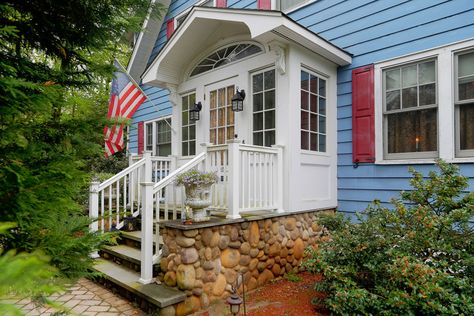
{"x": 84, "y": 298}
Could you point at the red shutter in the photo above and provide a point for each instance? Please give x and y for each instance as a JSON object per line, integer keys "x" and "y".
{"x": 363, "y": 132}
{"x": 221, "y": 3}
{"x": 169, "y": 28}
{"x": 141, "y": 134}
{"x": 264, "y": 4}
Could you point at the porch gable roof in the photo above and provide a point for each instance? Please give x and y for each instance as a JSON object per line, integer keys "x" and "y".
{"x": 263, "y": 26}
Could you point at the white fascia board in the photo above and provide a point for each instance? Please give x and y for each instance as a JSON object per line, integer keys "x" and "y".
{"x": 145, "y": 42}
{"x": 259, "y": 23}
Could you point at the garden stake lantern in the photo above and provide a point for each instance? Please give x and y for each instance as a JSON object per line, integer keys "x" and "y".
{"x": 194, "y": 112}
{"x": 234, "y": 302}
{"x": 238, "y": 101}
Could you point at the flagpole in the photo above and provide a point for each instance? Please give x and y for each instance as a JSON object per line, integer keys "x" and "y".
{"x": 138, "y": 86}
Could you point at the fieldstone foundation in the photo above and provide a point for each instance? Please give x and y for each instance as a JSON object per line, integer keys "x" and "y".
{"x": 205, "y": 259}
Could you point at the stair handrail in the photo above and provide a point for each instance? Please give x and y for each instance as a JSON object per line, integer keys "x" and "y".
{"x": 187, "y": 166}
{"x": 122, "y": 173}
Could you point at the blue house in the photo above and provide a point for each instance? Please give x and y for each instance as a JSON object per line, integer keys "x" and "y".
{"x": 297, "y": 106}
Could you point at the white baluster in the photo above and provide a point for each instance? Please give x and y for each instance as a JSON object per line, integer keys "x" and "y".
{"x": 94, "y": 210}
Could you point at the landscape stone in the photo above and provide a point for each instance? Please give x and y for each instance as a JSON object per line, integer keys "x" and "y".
{"x": 224, "y": 242}
{"x": 191, "y": 233}
{"x": 170, "y": 278}
{"x": 219, "y": 285}
{"x": 167, "y": 311}
{"x": 235, "y": 244}
{"x": 230, "y": 258}
{"x": 185, "y": 276}
{"x": 189, "y": 255}
{"x": 208, "y": 253}
{"x": 185, "y": 242}
{"x": 298, "y": 248}
{"x": 215, "y": 239}
{"x": 244, "y": 260}
{"x": 252, "y": 284}
{"x": 230, "y": 276}
{"x": 234, "y": 233}
{"x": 264, "y": 277}
{"x": 253, "y": 264}
{"x": 254, "y": 252}
{"x": 276, "y": 270}
{"x": 245, "y": 248}
{"x": 254, "y": 234}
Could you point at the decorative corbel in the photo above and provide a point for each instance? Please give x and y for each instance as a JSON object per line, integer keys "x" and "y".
{"x": 173, "y": 97}
{"x": 279, "y": 50}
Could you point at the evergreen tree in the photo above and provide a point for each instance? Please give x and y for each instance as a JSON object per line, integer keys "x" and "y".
{"x": 55, "y": 65}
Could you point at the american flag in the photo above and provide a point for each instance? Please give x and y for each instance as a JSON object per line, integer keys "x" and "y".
{"x": 125, "y": 98}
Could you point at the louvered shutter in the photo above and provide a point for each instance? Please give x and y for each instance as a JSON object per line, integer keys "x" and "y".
{"x": 141, "y": 135}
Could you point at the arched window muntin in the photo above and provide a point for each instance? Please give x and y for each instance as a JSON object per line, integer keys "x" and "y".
{"x": 226, "y": 55}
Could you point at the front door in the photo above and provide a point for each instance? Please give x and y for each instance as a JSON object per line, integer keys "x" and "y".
{"x": 221, "y": 116}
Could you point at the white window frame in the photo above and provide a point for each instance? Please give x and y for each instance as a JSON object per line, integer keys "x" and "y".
{"x": 276, "y": 5}
{"x": 189, "y": 140}
{"x": 318, "y": 133}
{"x": 263, "y": 111}
{"x": 445, "y": 59}
{"x": 457, "y": 105}
{"x": 154, "y": 133}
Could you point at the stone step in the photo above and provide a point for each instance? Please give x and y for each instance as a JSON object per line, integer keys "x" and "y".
{"x": 134, "y": 238}
{"x": 158, "y": 295}
{"x": 126, "y": 255}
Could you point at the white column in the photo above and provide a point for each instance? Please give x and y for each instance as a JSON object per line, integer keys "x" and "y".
{"x": 279, "y": 179}
{"x": 233, "y": 189}
{"x": 147, "y": 170}
{"x": 146, "y": 267}
{"x": 94, "y": 210}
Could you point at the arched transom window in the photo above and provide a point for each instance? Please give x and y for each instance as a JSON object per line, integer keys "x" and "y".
{"x": 226, "y": 55}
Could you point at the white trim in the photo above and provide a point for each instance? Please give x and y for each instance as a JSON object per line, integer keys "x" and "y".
{"x": 444, "y": 56}
{"x": 186, "y": 12}
{"x": 275, "y": 5}
{"x": 154, "y": 132}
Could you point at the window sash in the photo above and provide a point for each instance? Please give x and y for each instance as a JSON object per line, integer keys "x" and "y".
{"x": 188, "y": 128}
{"x": 264, "y": 110}
{"x": 463, "y": 113}
{"x": 409, "y": 146}
{"x": 313, "y": 112}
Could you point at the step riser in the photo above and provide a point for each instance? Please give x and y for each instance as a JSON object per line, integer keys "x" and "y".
{"x": 131, "y": 264}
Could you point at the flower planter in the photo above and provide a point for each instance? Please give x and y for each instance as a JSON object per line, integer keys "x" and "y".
{"x": 198, "y": 198}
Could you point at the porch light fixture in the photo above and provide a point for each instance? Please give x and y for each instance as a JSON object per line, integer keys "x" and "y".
{"x": 194, "y": 112}
{"x": 238, "y": 101}
{"x": 234, "y": 302}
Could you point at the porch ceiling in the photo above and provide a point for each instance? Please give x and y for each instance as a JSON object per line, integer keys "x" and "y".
{"x": 204, "y": 27}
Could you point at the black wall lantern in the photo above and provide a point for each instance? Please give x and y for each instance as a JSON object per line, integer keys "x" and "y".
{"x": 238, "y": 101}
{"x": 194, "y": 112}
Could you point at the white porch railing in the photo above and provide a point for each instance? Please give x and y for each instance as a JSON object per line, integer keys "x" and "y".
{"x": 250, "y": 178}
{"x": 119, "y": 197}
{"x": 164, "y": 195}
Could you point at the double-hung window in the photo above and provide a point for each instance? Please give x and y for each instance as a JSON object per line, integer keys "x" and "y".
{"x": 410, "y": 111}
{"x": 158, "y": 137}
{"x": 464, "y": 103}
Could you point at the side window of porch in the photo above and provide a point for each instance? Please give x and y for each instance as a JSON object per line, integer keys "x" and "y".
{"x": 313, "y": 112}
{"x": 464, "y": 106}
{"x": 410, "y": 111}
{"x": 188, "y": 127}
{"x": 158, "y": 137}
{"x": 263, "y": 100}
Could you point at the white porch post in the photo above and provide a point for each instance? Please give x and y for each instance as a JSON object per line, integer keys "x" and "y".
{"x": 94, "y": 210}
{"x": 147, "y": 170}
{"x": 279, "y": 184}
{"x": 146, "y": 267}
{"x": 233, "y": 189}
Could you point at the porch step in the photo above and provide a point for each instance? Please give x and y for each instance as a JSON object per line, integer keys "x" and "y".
{"x": 124, "y": 252}
{"x": 158, "y": 295}
{"x": 134, "y": 238}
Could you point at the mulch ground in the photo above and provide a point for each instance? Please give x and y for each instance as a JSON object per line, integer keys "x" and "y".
{"x": 279, "y": 298}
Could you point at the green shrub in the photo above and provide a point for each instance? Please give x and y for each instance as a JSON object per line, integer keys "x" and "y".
{"x": 413, "y": 259}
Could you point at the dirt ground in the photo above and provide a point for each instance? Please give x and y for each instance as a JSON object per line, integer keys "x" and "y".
{"x": 278, "y": 298}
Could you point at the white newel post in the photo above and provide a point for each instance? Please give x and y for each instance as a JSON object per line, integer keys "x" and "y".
{"x": 146, "y": 276}
{"x": 279, "y": 184}
{"x": 233, "y": 190}
{"x": 148, "y": 170}
{"x": 94, "y": 210}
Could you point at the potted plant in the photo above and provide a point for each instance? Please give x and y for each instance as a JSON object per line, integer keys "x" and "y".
{"x": 197, "y": 186}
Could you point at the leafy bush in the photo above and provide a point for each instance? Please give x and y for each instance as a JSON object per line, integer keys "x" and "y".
{"x": 416, "y": 258}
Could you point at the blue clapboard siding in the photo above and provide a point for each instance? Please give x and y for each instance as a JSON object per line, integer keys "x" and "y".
{"x": 374, "y": 31}
{"x": 159, "y": 104}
